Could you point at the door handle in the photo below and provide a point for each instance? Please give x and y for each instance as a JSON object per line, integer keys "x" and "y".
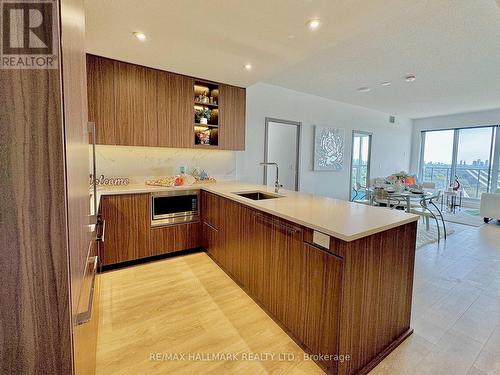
{"x": 85, "y": 316}
{"x": 92, "y": 130}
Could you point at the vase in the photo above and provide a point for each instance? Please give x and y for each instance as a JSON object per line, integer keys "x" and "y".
{"x": 203, "y": 121}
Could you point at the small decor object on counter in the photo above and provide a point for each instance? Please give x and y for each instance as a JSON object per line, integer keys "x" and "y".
{"x": 111, "y": 181}
{"x": 179, "y": 181}
{"x": 195, "y": 172}
{"x": 328, "y": 148}
{"x": 202, "y": 116}
{"x": 188, "y": 179}
{"x": 163, "y": 181}
{"x": 203, "y": 175}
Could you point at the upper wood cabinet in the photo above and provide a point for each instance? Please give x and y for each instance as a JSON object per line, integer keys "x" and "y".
{"x": 175, "y": 110}
{"x": 232, "y": 105}
{"x": 101, "y": 98}
{"x": 134, "y": 105}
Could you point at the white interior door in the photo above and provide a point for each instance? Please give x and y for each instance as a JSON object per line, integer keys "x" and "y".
{"x": 282, "y": 147}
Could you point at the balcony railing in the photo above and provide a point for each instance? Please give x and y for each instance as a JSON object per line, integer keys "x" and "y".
{"x": 473, "y": 180}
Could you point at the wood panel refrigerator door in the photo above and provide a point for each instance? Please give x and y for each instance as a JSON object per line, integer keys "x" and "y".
{"x": 135, "y": 105}
{"x": 175, "y": 110}
{"x": 128, "y": 223}
{"x": 101, "y": 98}
{"x": 232, "y": 103}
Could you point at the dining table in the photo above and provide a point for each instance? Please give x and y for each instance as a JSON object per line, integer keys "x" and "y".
{"x": 405, "y": 195}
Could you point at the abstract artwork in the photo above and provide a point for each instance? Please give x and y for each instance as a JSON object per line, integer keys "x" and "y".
{"x": 328, "y": 148}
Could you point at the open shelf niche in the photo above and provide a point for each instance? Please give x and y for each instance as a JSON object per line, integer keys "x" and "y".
{"x": 206, "y": 101}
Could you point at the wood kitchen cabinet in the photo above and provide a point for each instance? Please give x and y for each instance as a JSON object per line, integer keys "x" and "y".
{"x": 136, "y": 105}
{"x": 128, "y": 221}
{"x": 211, "y": 240}
{"x": 298, "y": 284}
{"x": 331, "y": 300}
{"x": 211, "y": 210}
{"x": 232, "y": 103}
{"x": 320, "y": 302}
{"x": 172, "y": 238}
{"x": 101, "y": 98}
{"x": 175, "y": 110}
{"x": 133, "y": 105}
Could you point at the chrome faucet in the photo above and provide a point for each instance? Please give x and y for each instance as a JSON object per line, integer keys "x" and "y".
{"x": 277, "y": 184}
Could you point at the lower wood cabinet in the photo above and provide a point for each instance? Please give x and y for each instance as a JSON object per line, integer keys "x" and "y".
{"x": 320, "y": 301}
{"x": 351, "y": 299}
{"x": 298, "y": 284}
{"x": 173, "y": 238}
{"x": 128, "y": 222}
{"x": 211, "y": 241}
{"x": 129, "y": 235}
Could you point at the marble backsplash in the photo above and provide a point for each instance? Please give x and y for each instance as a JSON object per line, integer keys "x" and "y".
{"x": 142, "y": 163}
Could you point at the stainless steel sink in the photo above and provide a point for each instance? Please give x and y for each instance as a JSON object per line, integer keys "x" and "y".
{"x": 258, "y": 195}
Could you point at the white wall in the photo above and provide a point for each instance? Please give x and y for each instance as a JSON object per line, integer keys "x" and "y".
{"x": 141, "y": 163}
{"x": 390, "y": 146}
{"x": 460, "y": 120}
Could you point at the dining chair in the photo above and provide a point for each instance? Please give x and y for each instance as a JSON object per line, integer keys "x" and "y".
{"x": 361, "y": 192}
{"x": 429, "y": 209}
{"x": 392, "y": 201}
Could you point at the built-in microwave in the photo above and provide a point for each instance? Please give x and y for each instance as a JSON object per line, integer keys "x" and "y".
{"x": 174, "y": 207}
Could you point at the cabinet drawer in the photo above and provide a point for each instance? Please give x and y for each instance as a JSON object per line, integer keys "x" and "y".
{"x": 173, "y": 238}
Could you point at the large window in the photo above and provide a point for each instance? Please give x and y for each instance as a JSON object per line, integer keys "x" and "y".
{"x": 467, "y": 154}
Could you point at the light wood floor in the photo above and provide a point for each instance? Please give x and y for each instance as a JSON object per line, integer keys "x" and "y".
{"x": 188, "y": 305}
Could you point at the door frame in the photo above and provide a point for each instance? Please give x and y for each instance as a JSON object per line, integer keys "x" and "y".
{"x": 368, "y": 167}
{"x": 266, "y": 147}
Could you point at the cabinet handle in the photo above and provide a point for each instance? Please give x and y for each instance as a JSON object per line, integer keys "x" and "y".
{"x": 268, "y": 220}
{"x": 85, "y": 316}
{"x": 210, "y": 226}
{"x": 100, "y": 233}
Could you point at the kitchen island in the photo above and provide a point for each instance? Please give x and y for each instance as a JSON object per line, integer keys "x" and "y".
{"x": 337, "y": 276}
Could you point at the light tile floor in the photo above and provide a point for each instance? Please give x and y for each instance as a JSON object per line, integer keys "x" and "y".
{"x": 456, "y": 307}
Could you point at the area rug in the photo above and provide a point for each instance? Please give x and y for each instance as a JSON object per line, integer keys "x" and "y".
{"x": 425, "y": 237}
{"x": 466, "y": 216}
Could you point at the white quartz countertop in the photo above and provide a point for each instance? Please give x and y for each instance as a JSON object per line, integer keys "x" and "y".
{"x": 338, "y": 218}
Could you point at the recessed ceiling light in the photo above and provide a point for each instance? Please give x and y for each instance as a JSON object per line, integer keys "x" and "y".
{"x": 364, "y": 89}
{"x": 410, "y": 78}
{"x": 387, "y": 83}
{"x": 313, "y": 24}
{"x": 139, "y": 35}
{"x": 248, "y": 66}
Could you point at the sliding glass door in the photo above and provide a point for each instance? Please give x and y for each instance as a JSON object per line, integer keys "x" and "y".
{"x": 474, "y": 161}
{"x": 437, "y": 157}
{"x": 470, "y": 155}
{"x": 360, "y": 164}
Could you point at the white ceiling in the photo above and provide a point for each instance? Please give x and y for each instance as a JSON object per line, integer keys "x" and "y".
{"x": 453, "y": 46}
